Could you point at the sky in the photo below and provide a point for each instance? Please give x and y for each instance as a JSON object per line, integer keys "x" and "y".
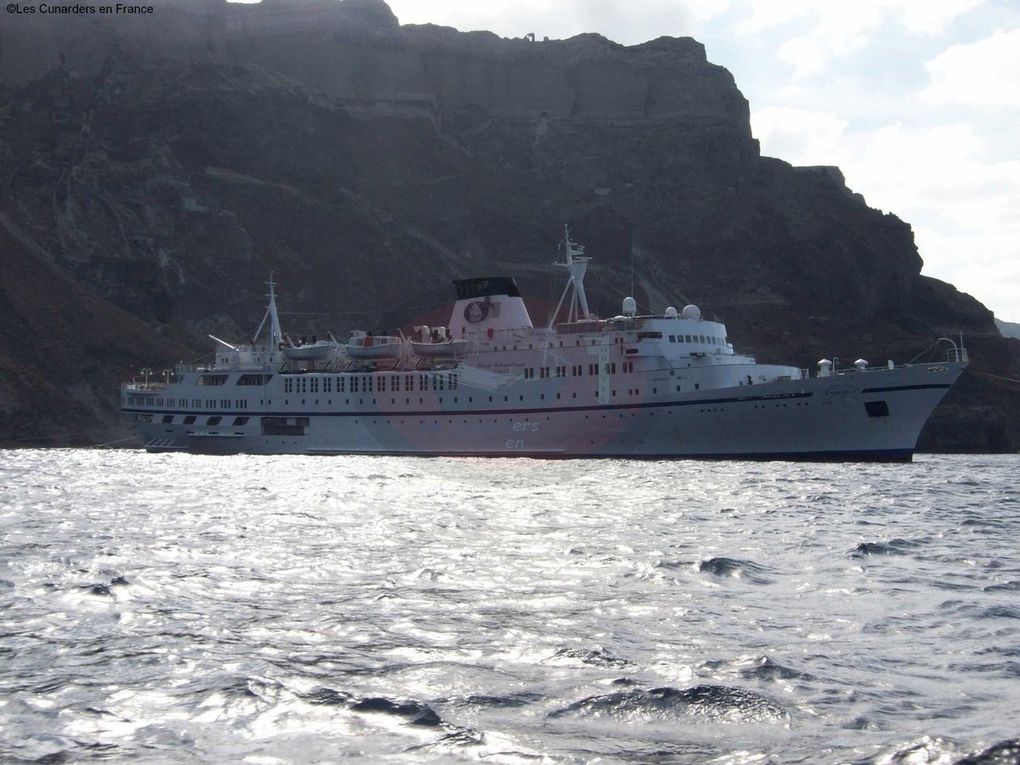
{"x": 917, "y": 102}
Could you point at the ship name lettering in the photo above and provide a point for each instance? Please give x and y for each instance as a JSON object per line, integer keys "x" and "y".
{"x": 525, "y": 427}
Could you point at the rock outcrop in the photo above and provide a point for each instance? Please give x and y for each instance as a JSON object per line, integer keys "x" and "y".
{"x": 154, "y": 169}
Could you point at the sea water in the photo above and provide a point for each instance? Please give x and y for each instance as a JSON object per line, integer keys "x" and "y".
{"x": 175, "y": 608}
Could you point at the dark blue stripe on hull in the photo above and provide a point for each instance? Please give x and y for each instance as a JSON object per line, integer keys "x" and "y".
{"x": 863, "y": 455}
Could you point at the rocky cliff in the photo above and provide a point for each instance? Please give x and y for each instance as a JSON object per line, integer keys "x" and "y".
{"x": 154, "y": 168}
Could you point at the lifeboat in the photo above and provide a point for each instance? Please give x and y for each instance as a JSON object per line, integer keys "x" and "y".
{"x": 436, "y": 344}
{"x": 317, "y": 351}
{"x": 365, "y": 346}
{"x": 443, "y": 349}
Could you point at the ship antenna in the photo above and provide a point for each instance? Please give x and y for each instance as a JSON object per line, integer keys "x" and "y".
{"x": 632, "y": 270}
{"x": 576, "y": 264}
{"x": 275, "y": 333}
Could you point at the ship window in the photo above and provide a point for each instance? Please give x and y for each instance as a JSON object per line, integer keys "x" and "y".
{"x": 877, "y": 408}
{"x": 213, "y": 421}
{"x": 254, "y": 379}
{"x": 212, "y": 379}
{"x": 189, "y": 420}
{"x": 240, "y": 421}
{"x": 167, "y": 419}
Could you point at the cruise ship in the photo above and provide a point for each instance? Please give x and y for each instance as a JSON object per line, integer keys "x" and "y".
{"x": 491, "y": 383}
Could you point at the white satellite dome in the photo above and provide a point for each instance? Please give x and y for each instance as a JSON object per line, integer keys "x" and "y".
{"x": 671, "y": 312}
{"x": 692, "y": 312}
{"x": 629, "y": 306}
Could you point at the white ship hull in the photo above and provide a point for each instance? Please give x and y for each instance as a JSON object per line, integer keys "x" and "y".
{"x": 819, "y": 418}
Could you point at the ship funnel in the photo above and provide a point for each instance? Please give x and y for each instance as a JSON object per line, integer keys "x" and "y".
{"x": 487, "y": 303}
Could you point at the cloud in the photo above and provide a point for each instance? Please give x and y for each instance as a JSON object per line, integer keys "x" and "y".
{"x": 973, "y": 262}
{"x": 984, "y": 74}
{"x": 800, "y": 136}
{"x": 818, "y": 33}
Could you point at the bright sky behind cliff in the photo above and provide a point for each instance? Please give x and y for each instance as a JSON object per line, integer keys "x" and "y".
{"x": 917, "y": 101}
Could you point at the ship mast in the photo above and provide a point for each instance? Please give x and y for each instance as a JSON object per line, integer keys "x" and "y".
{"x": 577, "y": 265}
{"x": 275, "y": 333}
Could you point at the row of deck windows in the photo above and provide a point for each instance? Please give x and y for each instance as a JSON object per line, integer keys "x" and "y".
{"x": 577, "y": 370}
{"x": 186, "y": 403}
{"x": 704, "y": 339}
{"x": 369, "y": 383}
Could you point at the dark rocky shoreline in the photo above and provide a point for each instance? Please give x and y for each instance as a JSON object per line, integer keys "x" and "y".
{"x": 153, "y": 171}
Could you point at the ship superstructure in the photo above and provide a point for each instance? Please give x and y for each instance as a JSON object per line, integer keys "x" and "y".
{"x": 491, "y": 383}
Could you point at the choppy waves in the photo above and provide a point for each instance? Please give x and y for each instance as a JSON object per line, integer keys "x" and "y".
{"x": 172, "y": 608}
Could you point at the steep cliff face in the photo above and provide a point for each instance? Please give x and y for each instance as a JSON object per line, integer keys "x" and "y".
{"x": 152, "y": 174}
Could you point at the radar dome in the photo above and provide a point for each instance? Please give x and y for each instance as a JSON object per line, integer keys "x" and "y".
{"x": 629, "y": 306}
{"x": 692, "y": 312}
{"x": 671, "y": 313}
